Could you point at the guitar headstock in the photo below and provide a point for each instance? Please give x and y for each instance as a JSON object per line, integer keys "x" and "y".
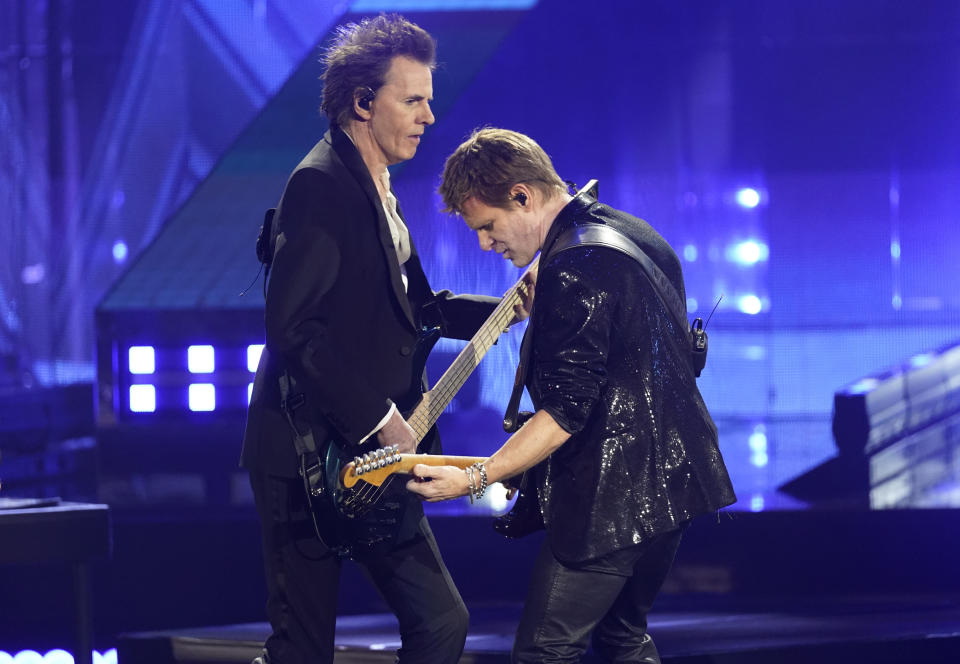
{"x": 373, "y": 468}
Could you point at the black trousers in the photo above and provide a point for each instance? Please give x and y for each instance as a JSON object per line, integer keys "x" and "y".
{"x": 303, "y": 578}
{"x": 608, "y": 597}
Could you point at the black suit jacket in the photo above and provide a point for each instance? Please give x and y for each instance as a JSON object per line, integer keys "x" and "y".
{"x": 337, "y": 316}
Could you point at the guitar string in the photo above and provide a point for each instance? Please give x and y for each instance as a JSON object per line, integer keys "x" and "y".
{"x": 462, "y": 366}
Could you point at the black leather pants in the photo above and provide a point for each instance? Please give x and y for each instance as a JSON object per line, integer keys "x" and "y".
{"x": 608, "y": 597}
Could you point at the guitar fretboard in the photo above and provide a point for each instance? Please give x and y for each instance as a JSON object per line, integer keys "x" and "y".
{"x": 434, "y": 401}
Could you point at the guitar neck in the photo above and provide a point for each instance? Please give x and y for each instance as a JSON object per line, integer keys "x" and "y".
{"x": 349, "y": 476}
{"x": 434, "y": 401}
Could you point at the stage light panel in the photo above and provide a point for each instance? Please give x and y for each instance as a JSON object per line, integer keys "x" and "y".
{"x": 692, "y": 305}
{"x": 202, "y": 397}
{"x": 141, "y": 359}
{"x": 749, "y": 304}
{"x": 690, "y": 252}
{"x": 749, "y": 252}
{"x": 863, "y": 386}
{"x": 55, "y": 657}
{"x": 200, "y": 359}
{"x": 143, "y": 398}
{"x": 120, "y": 251}
{"x": 253, "y": 356}
{"x": 748, "y": 197}
{"x": 107, "y": 657}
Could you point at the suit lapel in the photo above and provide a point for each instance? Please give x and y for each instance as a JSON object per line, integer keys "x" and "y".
{"x": 351, "y": 158}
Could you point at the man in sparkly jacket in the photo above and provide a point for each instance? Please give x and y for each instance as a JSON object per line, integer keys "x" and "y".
{"x": 621, "y": 449}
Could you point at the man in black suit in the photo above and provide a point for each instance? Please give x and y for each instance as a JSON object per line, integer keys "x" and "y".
{"x": 345, "y": 301}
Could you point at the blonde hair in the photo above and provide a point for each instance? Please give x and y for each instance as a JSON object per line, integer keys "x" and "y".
{"x": 489, "y": 163}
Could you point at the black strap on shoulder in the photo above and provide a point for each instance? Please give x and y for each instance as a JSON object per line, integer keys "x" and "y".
{"x": 607, "y": 236}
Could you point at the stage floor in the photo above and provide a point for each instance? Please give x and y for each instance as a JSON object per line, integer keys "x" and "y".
{"x": 842, "y": 631}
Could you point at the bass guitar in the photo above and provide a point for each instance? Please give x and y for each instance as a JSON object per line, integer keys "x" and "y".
{"x": 354, "y": 502}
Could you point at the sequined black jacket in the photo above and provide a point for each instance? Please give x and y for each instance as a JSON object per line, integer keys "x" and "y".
{"x": 613, "y": 370}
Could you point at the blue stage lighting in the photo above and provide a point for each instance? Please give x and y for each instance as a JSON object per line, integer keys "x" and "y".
{"x": 749, "y": 304}
{"x": 921, "y": 360}
{"x": 863, "y": 386}
{"x": 143, "y": 398}
{"x": 748, "y": 252}
{"x": 690, "y": 252}
{"x": 200, "y": 359}
{"x": 202, "y": 397}
{"x": 249, "y": 392}
{"x": 754, "y": 352}
{"x": 692, "y": 305}
{"x": 758, "y": 440}
{"x": 141, "y": 360}
{"x": 107, "y": 657}
{"x": 253, "y": 356}
{"x": 748, "y": 197}
{"x": 120, "y": 251}
{"x": 895, "y": 250}
{"x": 756, "y": 503}
{"x": 57, "y": 657}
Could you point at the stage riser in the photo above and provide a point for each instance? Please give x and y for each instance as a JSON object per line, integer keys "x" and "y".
{"x": 183, "y": 568}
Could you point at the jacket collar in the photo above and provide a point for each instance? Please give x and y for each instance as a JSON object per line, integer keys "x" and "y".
{"x": 578, "y": 207}
{"x": 350, "y": 156}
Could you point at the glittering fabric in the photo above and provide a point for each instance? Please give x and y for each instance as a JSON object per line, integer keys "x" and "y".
{"x": 612, "y": 369}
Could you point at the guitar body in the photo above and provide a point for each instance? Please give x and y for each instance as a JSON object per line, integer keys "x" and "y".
{"x": 366, "y": 518}
{"x": 524, "y": 517}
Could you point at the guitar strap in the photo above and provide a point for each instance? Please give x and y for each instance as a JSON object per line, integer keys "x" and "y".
{"x": 306, "y": 445}
{"x": 606, "y": 236}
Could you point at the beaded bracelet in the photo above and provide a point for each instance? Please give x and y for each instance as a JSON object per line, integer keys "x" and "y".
{"x": 483, "y": 479}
